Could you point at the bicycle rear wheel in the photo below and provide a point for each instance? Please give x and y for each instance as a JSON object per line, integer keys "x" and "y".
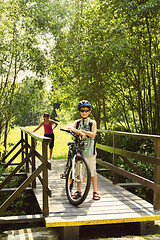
{"x": 79, "y": 181}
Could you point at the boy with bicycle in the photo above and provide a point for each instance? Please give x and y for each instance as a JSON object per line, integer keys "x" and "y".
{"x": 87, "y": 128}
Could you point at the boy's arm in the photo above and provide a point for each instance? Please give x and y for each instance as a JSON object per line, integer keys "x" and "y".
{"x": 93, "y": 131}
{"x": 78, "y": 132}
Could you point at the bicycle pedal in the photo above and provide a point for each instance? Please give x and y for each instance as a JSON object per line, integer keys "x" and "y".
{"x": 63, "y": 176}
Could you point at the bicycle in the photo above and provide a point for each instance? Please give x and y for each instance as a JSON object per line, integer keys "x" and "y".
{"x": 77, "y": 172}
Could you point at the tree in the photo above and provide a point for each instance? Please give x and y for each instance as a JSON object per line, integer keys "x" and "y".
{"x": 109, "y": 54}
{"x": 80, "y": 59}
{"x": 137, "y": 74}
{"x": 19, "y": 51}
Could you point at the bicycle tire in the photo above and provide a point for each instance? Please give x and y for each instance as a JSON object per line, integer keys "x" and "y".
{"x": 81, "y": 165}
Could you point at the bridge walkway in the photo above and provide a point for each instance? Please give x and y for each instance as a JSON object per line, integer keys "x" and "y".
{"x": 117, "y": 205}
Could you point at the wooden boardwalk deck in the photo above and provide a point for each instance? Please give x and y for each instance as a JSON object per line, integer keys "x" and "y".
{"x": 116, "y": 205}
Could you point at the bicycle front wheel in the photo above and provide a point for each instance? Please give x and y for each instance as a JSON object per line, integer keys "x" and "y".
{"x": 78, "y": 179}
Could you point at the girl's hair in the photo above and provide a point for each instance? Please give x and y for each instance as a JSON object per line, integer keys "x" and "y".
{"x": 46, "y": 114}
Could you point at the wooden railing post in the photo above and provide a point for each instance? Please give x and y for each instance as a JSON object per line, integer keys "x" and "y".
{"x": 27, "y": 163}
{"x": 33, "y": 160}
{"x": 45, "y": 179}
{"x": 22, "y": 144}
{"x": 156, "y": 201}
{"x": 115, "y": 176}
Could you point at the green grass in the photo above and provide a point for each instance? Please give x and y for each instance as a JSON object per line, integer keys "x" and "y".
{"x": 61, "y": 139}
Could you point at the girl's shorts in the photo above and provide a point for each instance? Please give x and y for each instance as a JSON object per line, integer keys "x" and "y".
{"x": 51, "y": 145}
{"x": 92, "y": 164}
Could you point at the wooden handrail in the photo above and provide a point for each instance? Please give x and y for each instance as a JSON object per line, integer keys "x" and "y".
{"x": 117, "y": 152}
{"x": 36, "y": 135}
{"x": 126, "y": 153}
{"x": 129, "y": 134}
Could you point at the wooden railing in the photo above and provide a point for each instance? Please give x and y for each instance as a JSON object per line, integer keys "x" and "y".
{"x": 28, "y": 154}
{"x": 123, "y": 154}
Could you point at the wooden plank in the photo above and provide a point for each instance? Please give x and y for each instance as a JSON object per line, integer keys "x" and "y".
{"x": 132, "y": 166}
{"x": 115, "y": 158}
{"x": 115, "y": 208}
{"x": 88, "y": 220}
{"x": 33, "y": 162}
{"x": 5, "y": 157}
{"x": 157, "y": 175}
{"x": 45, "y": 179}
{"x": 10, "y": 190}
{"x": 60, "y": 211}
{"x": 130, "y": 185}
{"x": 21, "y": 219}
{"x": 15, "y": 156}
{"x": 8, "y": 178}
{"x": 103, "y": 170}
{"x": 19, "y": 174}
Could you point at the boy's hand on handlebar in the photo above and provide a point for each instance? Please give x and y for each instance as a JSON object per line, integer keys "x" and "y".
{"x": 83, "y": 135}
{"x": 78, "y": 132}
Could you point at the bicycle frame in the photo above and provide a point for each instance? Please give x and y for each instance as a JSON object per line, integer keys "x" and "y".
{"x": 77, "y": 172}
{"x": 75, "y": 147}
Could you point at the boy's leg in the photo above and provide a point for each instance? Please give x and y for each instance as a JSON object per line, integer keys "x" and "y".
{"x": 94, "y": 183}
{"x": 92, "y": 163}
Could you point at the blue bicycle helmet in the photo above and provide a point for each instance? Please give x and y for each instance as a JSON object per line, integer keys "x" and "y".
{"x": 84, "y": 103}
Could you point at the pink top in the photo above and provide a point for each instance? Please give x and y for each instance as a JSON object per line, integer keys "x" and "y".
{"x": 47, "y": 128}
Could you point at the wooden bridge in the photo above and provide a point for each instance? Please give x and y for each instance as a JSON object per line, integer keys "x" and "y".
{"x": 116, "y": 206}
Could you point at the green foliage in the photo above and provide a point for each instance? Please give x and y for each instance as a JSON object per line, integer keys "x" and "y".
{"x": 106, "y": 52}
{"x": 2, "y": 149}
{"x": 30, "y": 102}
{"x": 21, "y": 53}
{"x": 109, "y": 55}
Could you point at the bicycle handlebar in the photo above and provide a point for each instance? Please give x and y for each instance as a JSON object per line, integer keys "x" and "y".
{"x": 66, "y": 130}
{"x": 71, "y": 132}
{"x": 78, "y": 139}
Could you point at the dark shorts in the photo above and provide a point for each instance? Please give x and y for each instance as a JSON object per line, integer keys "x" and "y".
{"x": 51, "y": 145}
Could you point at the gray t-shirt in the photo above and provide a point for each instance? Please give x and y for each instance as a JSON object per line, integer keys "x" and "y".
{"x": 89, "y": 143}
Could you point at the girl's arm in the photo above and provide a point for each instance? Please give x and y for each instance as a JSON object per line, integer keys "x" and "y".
{"x": 55, "y": 123}
{"x": 40, "y": 125}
